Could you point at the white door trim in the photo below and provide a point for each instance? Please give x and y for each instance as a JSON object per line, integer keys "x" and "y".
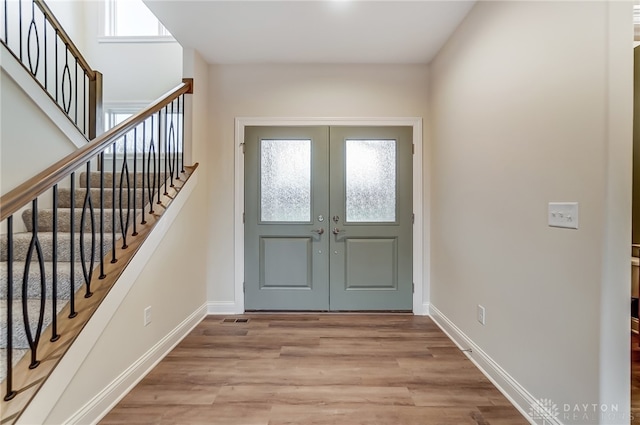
{"x": 421, "y": 286}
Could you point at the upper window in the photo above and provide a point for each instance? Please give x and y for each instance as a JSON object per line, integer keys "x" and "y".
{"x": 636, "y": 22}
{"x": 132, "y": 19}
{"x": 140, "y": 139}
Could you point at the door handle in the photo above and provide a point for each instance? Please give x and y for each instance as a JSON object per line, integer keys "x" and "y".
{"x": 319, "y": 231}
{"x": 337, "y": 231}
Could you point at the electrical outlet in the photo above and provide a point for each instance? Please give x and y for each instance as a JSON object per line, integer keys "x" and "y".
{"x": 147, "y": 316}
{"x": 481, "y": 314}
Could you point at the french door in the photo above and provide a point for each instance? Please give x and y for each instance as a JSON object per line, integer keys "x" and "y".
{"x": 328, "y": 218}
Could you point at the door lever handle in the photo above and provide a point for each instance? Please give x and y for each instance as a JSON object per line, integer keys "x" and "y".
{"x": 319, "y": 231}
{"x": 337, "y": 231}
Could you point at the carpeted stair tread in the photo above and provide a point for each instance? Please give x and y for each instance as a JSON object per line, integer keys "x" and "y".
{"x": 33, "y": 286}
{"x": 45, "y": 219}
{"x": 95, "y": 176}
{"x": 64, "y": 197}
{"x": 21, "y": 242}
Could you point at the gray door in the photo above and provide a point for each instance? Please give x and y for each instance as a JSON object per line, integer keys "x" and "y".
{"x": 328, "y": 221}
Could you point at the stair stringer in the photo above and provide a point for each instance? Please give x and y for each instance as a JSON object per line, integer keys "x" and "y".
{"x": 47, "y": 397}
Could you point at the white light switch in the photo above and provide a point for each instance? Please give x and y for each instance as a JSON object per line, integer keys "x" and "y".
{"x": 563, "y": 214}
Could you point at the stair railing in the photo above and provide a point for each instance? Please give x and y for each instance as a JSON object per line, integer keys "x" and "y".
{"x": 33, "y": 35}
{"x": 137, "y": 165}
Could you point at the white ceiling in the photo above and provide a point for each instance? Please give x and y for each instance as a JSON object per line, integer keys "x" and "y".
{"x": 329, "y": 31}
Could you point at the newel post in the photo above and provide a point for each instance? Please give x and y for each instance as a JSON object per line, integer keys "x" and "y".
{"x": 96, "y": 114}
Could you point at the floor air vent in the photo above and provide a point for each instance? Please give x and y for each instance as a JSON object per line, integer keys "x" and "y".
{"x": 231, "y": 320}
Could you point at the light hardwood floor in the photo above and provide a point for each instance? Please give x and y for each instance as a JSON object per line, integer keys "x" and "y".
{"x": 635, "y": 378}
{"x": 315, "y": 369}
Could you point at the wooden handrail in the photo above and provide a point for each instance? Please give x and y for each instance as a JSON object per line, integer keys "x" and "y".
{"x": 40, "y": 183}
{"x": 66, "y": 39}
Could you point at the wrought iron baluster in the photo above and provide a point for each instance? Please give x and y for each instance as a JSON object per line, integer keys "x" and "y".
{"x": 159, "y": 170}
{"x": 56, "y": 55}
{"x": 113, "y": 205}
{"x": 54, "y": 258}
{"x": 34, "y": 245}
{"x": 135, "y": 179}
{"x": 84, "y": 104}
{"x": 87, "y": 209}
{"x": 182, "y": 138}
{"x": 166, "y": 149}
{"x": 143, "y": 176}
{"x": 66, "y": 77}
{"x": 171, "y": 151}
{"x": 75, "y": 95}
{"x": 6, "y": 24}
{"x": 124, "y": 177}
{"x": 176, "y": 137}
{"x": 10, "y": 393}
{"x": 33, "y": 29}
{"x": 20, "y": 27}
{"x": 46, "y": 64}
{"x": 151, "y": 160}
{"x": 102, "y": 208}
{"x": 72, "y": 251}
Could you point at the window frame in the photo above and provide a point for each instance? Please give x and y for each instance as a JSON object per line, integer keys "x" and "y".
{"x": 107, "y": 25}
{"x": 636, "y": 21}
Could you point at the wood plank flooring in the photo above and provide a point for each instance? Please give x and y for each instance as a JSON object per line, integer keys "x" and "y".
{"x": 635, "y": 376}
{"x": 320, "y": 369}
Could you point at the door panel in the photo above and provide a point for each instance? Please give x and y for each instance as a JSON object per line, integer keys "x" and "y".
{"x": 363, "y": 273}
{"x": 371, "y": 196}
{"x": 295, "y": 254}
{"x": 286, "y": 190}
{"x": 328, "y": 221}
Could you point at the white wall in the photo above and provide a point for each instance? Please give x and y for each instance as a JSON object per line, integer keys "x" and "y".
{"x": 132, "y": 72}
{"x": 197, "y": 135}
{"x": 71, "y": 15}
{"x": 521, "y": 102}
{"x": 29, "y": 141}
{"x": 289, "y": 91}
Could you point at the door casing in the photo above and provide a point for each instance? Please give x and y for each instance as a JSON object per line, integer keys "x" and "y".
{"x": 420, "y": 249}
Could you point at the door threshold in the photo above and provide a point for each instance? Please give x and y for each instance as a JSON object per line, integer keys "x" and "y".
{"x": 355, "y": 312}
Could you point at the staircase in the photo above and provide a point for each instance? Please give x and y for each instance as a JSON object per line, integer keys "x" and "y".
{"x": 68, "y": 233}
{"x": 72, "y": 276}
{"x": 65, "y": 265}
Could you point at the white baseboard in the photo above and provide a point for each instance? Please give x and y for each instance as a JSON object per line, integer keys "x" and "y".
{"x": 506, "y": 384}
{"x": 223, "y": 307}
{"x": 106, "y": 399}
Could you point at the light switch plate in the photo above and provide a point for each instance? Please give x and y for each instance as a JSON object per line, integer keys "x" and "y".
{"x": 563, "y": 214}
{"x": 481, "y": 314}
{"x": 147, "y": 316}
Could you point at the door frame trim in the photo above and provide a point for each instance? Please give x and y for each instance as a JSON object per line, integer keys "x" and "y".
{"x": 420, "y": 250}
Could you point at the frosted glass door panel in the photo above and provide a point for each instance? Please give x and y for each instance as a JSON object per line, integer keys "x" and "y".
{"x": 370, "y": 181}
{"x": 285, "y": 180}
